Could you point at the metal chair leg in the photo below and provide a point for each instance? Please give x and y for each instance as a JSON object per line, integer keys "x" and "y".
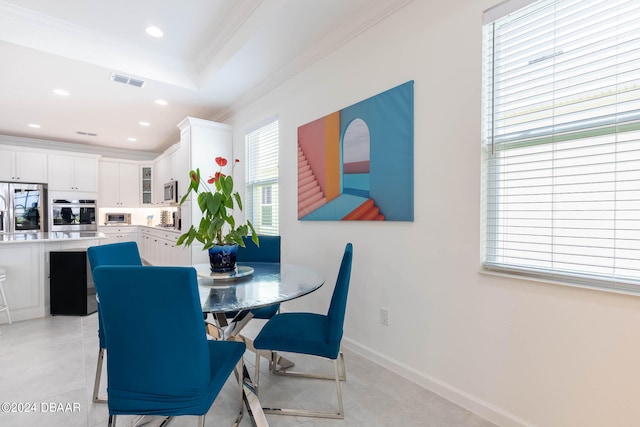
{"x": 259, "y": 354}
{"x": 343, "y": 376}
{"x": 112, "y": 421}
{"x": 240, "y": 376}
{"x": 283, "y": 371}
{"x": 338, "y": 386}
{"x": 96, "y": 384}
{"x": 339, "y": 414}
{"x": 256, "y": 376}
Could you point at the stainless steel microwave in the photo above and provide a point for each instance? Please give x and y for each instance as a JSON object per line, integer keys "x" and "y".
{"x": 171, "y": 192}
{"x": 117, "y": 218}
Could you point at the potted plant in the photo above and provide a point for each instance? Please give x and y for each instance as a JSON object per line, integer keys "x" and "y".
{"x": 217, "y": 231}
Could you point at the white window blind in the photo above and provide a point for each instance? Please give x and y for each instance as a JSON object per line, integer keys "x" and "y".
{"x": 561, "y": 142}
{"x": 262, "y": 178}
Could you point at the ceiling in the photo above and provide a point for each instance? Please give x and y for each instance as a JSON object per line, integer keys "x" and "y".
{"x": 215, "y": 56}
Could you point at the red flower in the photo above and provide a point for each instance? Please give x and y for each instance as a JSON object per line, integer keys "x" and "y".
{"x": 237, "y": 160}
{"x": 194, "y": 177}
{"x": 221, "y": 161}
{"x": 213, "y": 179}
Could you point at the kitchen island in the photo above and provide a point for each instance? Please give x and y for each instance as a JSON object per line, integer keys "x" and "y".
{"x": 25, "y": 256}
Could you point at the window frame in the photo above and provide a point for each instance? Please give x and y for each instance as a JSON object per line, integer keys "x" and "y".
{"x": 257, "y": 176}
{"x": 613, "y": 124}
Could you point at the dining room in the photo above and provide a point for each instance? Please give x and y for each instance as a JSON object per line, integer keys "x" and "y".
{"x": 432, "y": 336}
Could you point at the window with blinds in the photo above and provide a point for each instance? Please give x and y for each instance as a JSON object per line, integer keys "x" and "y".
{"x": 262, "y": 178}
{"x": 561, "y": 142}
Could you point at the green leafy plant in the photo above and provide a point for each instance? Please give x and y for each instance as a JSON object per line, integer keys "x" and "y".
{"x": 217, "y": 226}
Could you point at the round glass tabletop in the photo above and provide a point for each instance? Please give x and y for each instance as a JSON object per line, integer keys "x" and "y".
{"x": 269, "y": 283}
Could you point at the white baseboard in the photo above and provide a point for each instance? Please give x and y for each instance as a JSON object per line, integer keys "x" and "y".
{"x": 468, "y": 401}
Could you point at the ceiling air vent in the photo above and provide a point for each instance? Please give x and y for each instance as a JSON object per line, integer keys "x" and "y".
{"x": 79, "y": 132}
{"x": 127, "y": 80}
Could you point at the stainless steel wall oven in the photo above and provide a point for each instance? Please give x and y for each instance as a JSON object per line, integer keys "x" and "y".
{"x": 73, "y": 215}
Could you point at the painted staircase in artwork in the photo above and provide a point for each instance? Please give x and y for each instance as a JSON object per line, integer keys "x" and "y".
{"x": 368, "y": 211}
{"x": 310, "y": 195}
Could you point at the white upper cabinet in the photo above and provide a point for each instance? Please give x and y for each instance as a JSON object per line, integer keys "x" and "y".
{"x": 71, "y": 173}
{"x": 119, "y": 184}
{"x": 201, "y": 141}
{"x": 146, "y": 179}
{"x": 165, "y": 170}
{"x": 23, "y": 166}
{"x": 7, "y": 162}
{"x": 109, "y": 189}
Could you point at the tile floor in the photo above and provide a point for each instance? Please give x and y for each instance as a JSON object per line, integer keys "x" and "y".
{"x": 50, "y": 363}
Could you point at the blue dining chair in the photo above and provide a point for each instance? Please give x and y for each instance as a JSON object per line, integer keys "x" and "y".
{"x": 268, "y": 251}
{"x": 160, "y": 361}
{"x": 125, "y": 253}
{"x": 311, "y": 334}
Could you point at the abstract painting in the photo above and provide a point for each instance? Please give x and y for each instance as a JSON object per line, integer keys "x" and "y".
{"x": 357, "y": 163}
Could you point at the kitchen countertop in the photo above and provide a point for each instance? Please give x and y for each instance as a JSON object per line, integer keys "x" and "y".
{"x": 54, "y": 236}
{"x": 161, "y": 228}
{"x": 150, "y": 227}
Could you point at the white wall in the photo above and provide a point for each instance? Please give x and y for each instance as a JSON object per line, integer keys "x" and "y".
{"x": 517, "y": 352}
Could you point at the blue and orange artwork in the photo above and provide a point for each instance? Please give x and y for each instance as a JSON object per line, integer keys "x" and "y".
{"x": 357, "y": 163}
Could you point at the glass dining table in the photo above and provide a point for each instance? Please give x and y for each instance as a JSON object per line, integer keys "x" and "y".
{"x": 230, "y": 297}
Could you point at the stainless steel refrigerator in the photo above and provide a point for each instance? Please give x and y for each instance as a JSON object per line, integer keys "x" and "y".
{"x": 22, "y": 207}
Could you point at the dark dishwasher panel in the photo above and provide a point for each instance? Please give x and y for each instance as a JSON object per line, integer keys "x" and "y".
{"x": 71, "y": 284}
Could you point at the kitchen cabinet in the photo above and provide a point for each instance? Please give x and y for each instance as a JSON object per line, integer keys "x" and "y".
{"x": 23, "y": 166}
{"x": 146, "y": 189}
{"x": 159, "y": 178}
{"x": 144, "y": 245}
{"x": 165, "y": 170}
{"x": 25, "y": 274}
{"x": 73, "y": 173}
{"x": 119, "y": 184}
{"x": 117, "y": 234}
{"x": 201, "y": 141}
{"x": 28, "y": 270}
{"x": 158, "y": 247}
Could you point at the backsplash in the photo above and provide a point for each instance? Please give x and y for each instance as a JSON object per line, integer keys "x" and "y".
{"x": 138, "y": 215}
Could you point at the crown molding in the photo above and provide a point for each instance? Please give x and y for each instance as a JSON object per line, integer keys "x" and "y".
{"x": 242, "y": 11}
{"x": 77, "y": 148}
{"x": 331, "y": 42}
{"x": 201, "y": 123}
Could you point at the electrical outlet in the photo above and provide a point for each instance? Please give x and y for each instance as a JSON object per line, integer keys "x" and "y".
{"x": 384, "y": 316}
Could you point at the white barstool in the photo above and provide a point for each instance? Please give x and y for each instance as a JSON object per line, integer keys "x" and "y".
{"x": 4, "y": 305}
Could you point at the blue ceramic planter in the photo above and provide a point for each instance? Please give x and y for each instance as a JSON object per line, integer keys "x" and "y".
{"x": 223, "y": 258}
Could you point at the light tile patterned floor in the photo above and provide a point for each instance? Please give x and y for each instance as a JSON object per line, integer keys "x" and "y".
{"x": 50, "y": 364}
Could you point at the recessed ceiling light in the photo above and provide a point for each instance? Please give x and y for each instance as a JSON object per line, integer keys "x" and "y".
{"x": 145, "y": 124}
{"x": 161, "y": 102}
{"x": 131, "y": 139}
{"x": 61, "y": 92}
{"x": 33, "y": 125}
{"x": 154, "y": 31}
